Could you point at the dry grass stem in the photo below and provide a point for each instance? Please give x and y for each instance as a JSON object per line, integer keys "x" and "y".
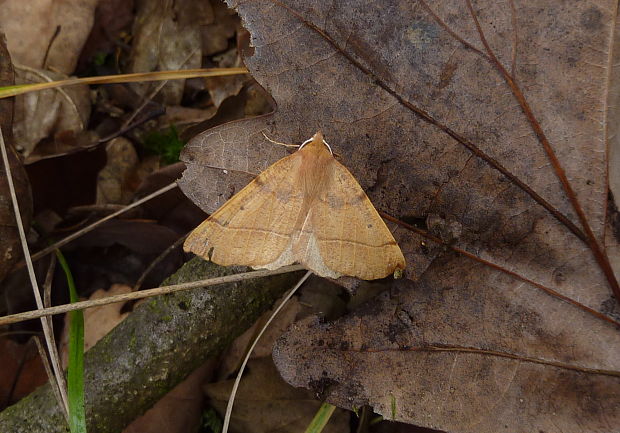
{"x": 57, "y": 388}
{"x": 153, "y": 93}
{"x": 88, "y": 228}
{"x": 233, "y": 392}
{"x": 122, "y": 78}
{"x": 47, "y": 332}
{"x": 59, "y": 309}
{"x": 59, "y": 384}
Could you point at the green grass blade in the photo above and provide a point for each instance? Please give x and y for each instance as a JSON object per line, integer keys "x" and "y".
{"x": 321, "y": 418}
{"x": 75, "y": 371}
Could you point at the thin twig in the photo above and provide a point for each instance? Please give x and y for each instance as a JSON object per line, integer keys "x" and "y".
{"x": 158, "y": 260}
{"x": 49, "y": 47}
{"x": 155, "y": 91}
{"x": 233, "y": 392}
{"x": 22, "y": 236}
{"x": 124, "y": 129}
{"x": 60, "y": 382}
{"x": 144, "y": 103}
{"x": 64, "y": 308}
{"x": 56, "y": 387}
{"x": 47, "y": 285}
{"x": 88, "y": 228}
{"x": 9, "y": 333}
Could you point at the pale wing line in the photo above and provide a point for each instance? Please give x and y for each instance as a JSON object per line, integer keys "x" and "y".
{"x": 282, "y": 235}
{"x": 269, "y": 217}
{"x": 354, "y": 196}
{"x": 305, "y": 223}
{"x": 356, "y": 242}
{"x": 343, "y": 182}
{"x": 310, "y": 233}
{"x": 247, "y": 252}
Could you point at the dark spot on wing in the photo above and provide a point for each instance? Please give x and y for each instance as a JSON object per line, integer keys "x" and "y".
{"x": 334, "y": 202}
{"x": 283, "y": 195}
{"x": 361, "y": 196}
{"x": 221, "y": 223}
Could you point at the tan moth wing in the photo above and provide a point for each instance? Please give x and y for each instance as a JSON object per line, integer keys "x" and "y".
{"x": 305, "y": 208}
{"x": 351, "y": 236}
{"x": 254, "y": 227}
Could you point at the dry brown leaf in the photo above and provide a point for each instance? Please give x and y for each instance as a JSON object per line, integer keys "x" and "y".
{"x": 113, "y": 180}
{"x": 220, "y": 29}
{"x": 235, "y": 353}
{"x": 178, "y": 411}
{"x": 48, "y": 113}
{"x": 179, "y": 116}
{"x": 267, "y": 404}
{"x": 101, "y": 320}
{"x": 47, "y": 33}
{"x": 438, "y": 120}
{"x": 111, "y": 24}
{"x": 221, "y": 88}
{"x": 316, "y": 297}
{"x": 22, "y": 370}
{"x": 167, "y": 37}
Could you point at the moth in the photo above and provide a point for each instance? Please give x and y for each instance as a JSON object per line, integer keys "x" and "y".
{"x": 306, "y": 208}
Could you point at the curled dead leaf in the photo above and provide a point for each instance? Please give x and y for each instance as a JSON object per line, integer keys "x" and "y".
{"x": 50, "y": 113}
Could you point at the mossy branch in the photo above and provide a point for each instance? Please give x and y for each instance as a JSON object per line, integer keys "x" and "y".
{"x": 155, "y": 348}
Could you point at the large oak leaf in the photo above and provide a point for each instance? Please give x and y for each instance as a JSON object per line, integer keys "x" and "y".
{"x": 493, "y": 123}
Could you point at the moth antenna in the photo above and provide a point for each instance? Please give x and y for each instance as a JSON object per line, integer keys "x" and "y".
{"x": 278, "y": 142}
{"x": 305, "y": 142}
{"x": 328, "y": 146}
